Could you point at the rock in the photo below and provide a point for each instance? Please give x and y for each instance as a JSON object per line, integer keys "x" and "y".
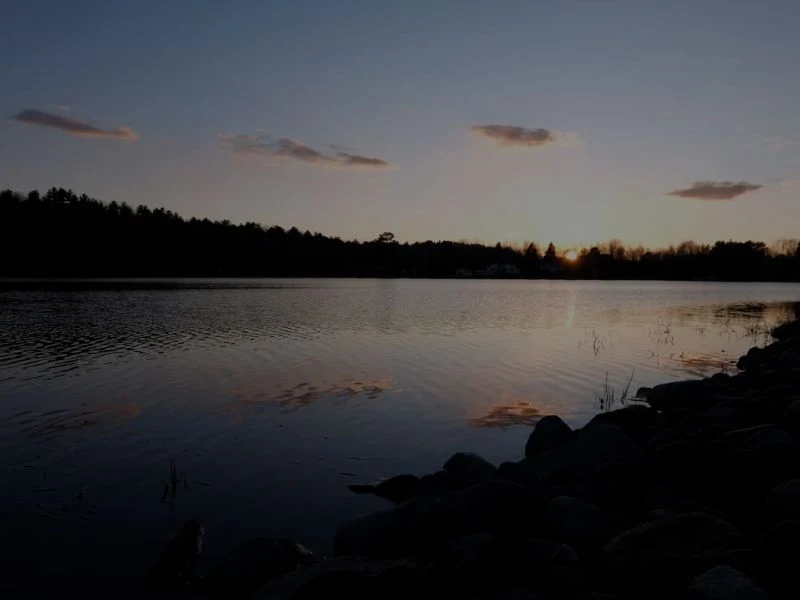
{"x": 769, "y": 439}
{"x": 687, "y": 506}
{"x": 589, "y": 449}
{"x": 777, "y": 553}
{"x": 677, "y": 461}
{"x": 550, "y": 431}
{"x": 724, "y": 583}
{"x": 791, "y": 417}
{"x": 517, "y": 473}
{"x": 638, "y": 421}
{"x": 783, "y": 502}
{"x": 395, "y": 489}
{"x": 668, "y": 396}
{"x": 174, "y": 566}
{"x": 437, "y": 484}
{"x": 666, "y": 552}
{"x": 516, "y": 594}
{"x": 470, "y": 467}
{"x": 252, "y": 564}
{"x": 541, "y": 550}
{"x": 495, "y": 506}
{"x": 406, "y": 530}
{"x": 574, "y": 521}
{"x": 786, "y": 330}
{"x": 349, "y": 577}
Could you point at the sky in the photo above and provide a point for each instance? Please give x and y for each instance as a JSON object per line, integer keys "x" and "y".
{"x": 546, "y": 120}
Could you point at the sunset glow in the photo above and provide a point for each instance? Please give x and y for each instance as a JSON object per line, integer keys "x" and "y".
{"x": 571, "y": 255}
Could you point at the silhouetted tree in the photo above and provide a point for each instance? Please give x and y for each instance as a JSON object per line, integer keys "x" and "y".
{"x": 61, "y": 234}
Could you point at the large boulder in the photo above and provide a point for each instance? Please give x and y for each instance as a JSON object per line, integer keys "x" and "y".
{"x": 786, "y": 330}
{"x": 590, "y": 448}
{"x": 250, "y": 565}
{"x": 783, "y": 502}
{"x": 724, "y": 583}
{"x": 347, "y": 577}
{"x": 638, "y": 421}
{"x": 409, "y": 529}
{"x": 437, "y": 484}
{"x": 769, "y": 439}
{"x": 669, "y": 550}
{"x": 680, "y": 394}
{"x": 791, "y": 417}
{"x": 470, "y": 467}
{"x": 395, "y": 489}
{"x": 495, "y": 506}
{"x": 550, "y": 431}
{"x": 174, "y": 566}
{"x": 576, "y": 522}
{"x": 777, "y": 554}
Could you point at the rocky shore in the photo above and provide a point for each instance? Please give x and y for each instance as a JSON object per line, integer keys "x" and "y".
{"x": 691, "y": 492}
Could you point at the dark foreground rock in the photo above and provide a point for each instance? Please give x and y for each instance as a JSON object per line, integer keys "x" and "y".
{"x": 692, "y": 494}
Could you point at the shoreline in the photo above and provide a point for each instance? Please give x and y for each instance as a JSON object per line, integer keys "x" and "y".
{"x": 691, "y": 491}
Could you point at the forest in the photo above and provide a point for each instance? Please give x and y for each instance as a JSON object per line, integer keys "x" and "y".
{"x": 62, "y": 234}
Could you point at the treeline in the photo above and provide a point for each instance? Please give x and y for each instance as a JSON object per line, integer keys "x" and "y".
{"x": 61, "y": 234}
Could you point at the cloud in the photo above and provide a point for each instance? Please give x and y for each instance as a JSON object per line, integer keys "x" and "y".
{"x": 287, "y": 148}
{"x": 716, "y": 190}
{"x": 356, "y": 160}
{"x": 267, "y": 146}
{"x": 72, "y": 126}
{"x": 513, "y": 135}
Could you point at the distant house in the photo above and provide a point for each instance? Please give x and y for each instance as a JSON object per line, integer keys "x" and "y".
{"x": 496, "y": 270}
{"x": 463, "y": 273}
{"x": 509, "y": 270}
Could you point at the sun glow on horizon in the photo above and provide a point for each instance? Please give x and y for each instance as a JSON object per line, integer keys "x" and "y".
{"x": 571, "y": 255}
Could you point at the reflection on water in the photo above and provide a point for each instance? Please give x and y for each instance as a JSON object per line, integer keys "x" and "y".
{"x": 277, "y": 393}
{"x": 510, "y": 411}
{"x": 303, "y": 394}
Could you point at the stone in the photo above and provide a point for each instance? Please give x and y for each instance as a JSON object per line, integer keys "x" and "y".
{"x": 406, "y": 530}
{"x": 724, "y": 583}
{"x": 791, "y": 417}
{"x": 668, "y": 551}
{"x": 668, "y": 396}
{"x": 517, "y": 473}
{"x": 769, "y": 439}
{"x": 574, "y": 521}
{"x": 347, "y": 577}
{"x": 676, "y": 461}
{"x": 178, "y": 558}
{"x": 437, "y": 484}
{"x": 786, "y": 330}
{"x": 493, "y": 506}
{"x": 470, "y": 467}
{"x": 589, "y": 449}
{"x": 638, "y": 421}
{"x": 783, "y": 502}
{"x": 777, "y": 553}
{"x": 550, "y": 431}
{"x": 541, "y": 550}
{"x": 395, "y": 489}
{"x": 250, "y": 565}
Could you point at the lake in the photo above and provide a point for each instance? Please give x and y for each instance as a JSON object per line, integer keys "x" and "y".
{"x": 270, "y": 396}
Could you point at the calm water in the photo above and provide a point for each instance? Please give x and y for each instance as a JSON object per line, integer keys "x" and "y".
{"x": 272, "y": 395}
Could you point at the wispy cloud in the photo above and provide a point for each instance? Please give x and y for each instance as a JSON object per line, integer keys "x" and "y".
{"x": 716, "y": 190}
{"x": 74, "y": 127}
{"x": 265, "y": 145}
{"x": 356, "y": 160}
{"x": 513, "y": 135}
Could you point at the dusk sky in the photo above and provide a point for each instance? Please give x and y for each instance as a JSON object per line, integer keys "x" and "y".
{"x": 575, "y": 122}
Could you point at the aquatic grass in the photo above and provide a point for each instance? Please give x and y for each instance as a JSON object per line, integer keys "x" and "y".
{"x": 609, "y": 396}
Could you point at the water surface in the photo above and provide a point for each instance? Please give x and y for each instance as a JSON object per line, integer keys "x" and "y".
{"x": 271, "y": 395}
